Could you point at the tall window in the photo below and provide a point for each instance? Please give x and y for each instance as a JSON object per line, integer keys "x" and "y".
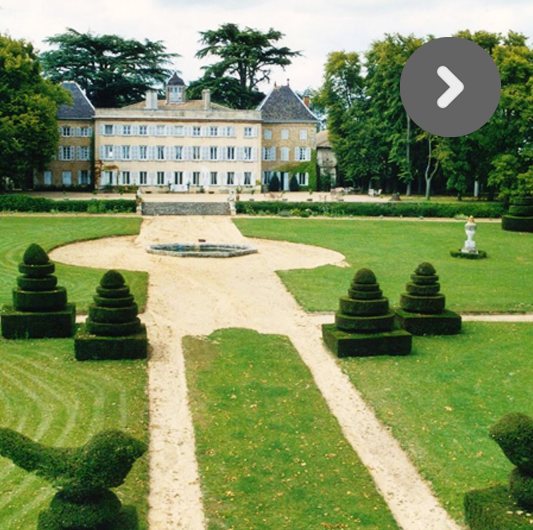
{"x": 66, "y": 152}
{"x": 108, "y": 152}
{"x": 143, "y": 177}
{"x": 83, "y": 177}
{"x": 125, "y": 178}
{"x": 160, "y": 178}
{"x": 230, "y": 178}
{"x": 126, "y": 152}
{"x": 249, "y": 132}
{"x": 196, "y": 152}
{"x": 214, "y": 178}
{"x": 160, "y": 152}
{"x": 178, "y": 152}
{"x": 175, "y": 94}
{"x": 247, "y": 178}
{"x": 247, "y": 153}
{"x": 66, "y": 177}
{"x": 195, "y": 178}
{"x": 269, "y": 153}
{"x": 178, "y": 177}
{"x": 196, "y": 131}
{"x": 213, "y": 131}
{"x": 285, "y": 134}
{"x": 108, "y": 129}
{"x": 84, "y": 153}
{"x": 126, "y": 130}
{"x": 67, "y": 131}
{"x": 143, "y": 152}
{"x": 230, "y": 153}
{"x": 213, "y": 153}
{"x": 85, "y": 132}
{"x": 303, "y": 179}
{"x": 143, "y": 130}
{"x": 268, "y": 134}
{"x": 47, "y": 178}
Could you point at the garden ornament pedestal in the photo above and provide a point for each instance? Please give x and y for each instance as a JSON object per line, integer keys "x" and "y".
{"x": 470, "y": 244}
{"x": 364, "y": 324}
{"x": 422, "y": 308}
{"x": 40, "y": 308}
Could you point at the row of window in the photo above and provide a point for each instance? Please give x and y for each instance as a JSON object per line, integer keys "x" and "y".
{"x": 285, "y": 134}
{"x": 69, "y": 152}
{"x": 84, "y": 178}
{"x": 82, "y": 132}
{"x": 211, "y": 131}
{"x": 302, "y": 178}
{"x": 178, "y": 178}
{"x": 178, "y": 152}
{"x": 301, "y": 154}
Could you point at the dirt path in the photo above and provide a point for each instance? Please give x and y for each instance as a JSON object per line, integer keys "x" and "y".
{"x": 196, "y": 296}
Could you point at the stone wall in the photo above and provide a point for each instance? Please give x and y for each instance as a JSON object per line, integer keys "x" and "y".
{"x": 185, "y": 208}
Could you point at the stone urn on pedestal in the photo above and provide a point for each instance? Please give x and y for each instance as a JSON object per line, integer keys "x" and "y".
{"x": 469, "y": 249}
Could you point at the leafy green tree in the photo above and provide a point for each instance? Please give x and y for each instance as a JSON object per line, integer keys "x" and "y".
{"x": 28, "y": 106}
{"x": 113, "y": 71}
{"x": 384, "y": 63}
{"x": 246, "y": 55}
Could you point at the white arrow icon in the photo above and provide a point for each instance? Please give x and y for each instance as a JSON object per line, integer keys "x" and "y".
{"x": 455, "y": 84}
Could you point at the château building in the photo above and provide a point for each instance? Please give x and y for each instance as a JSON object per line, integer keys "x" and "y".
{"x": 175, "y": 144}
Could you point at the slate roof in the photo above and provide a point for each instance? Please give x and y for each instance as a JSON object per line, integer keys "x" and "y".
{"x": 81, "y": 108}
{"x": 283, "y": 105}
{"x": 175, "y": 80}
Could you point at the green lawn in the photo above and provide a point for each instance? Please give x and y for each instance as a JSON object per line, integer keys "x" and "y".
{"x": 392, "y": 249}
{"x": 50, "y": 397}
{"x": 49, "y": 232}
{"x": 270, "y": 453}
{"x": 441, "y": 400}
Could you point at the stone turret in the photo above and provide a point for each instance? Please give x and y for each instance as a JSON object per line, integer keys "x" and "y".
{"x": 364, "y": 323}
{"x": 40, "y": 308}
{"x": 422, "y": 308}
{"x": 112, "y": 329}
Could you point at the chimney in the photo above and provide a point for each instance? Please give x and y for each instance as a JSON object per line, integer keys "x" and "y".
{"x": 206, "y": 98}
{"x": 151, "y": 100}
{"x": 306, "y": 101}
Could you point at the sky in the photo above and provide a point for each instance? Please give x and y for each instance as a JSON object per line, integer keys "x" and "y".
{"x": 313, "y": 27}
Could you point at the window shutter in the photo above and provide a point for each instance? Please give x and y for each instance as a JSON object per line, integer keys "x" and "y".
{"x": 239, "y": 153}
{"x": 308, "y": 154}
{"x": 204, "y": 131}
{"x": 204, "y": 152}
{"x": 296, "y": 153}
{"x": 135, "y": 152}
{"x": 135, "y": 130}
{"x": 151, "y": 130}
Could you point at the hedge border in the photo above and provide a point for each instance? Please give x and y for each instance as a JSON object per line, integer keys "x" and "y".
{"x": 27, "y": 204}
{"x": 374, "y": 209}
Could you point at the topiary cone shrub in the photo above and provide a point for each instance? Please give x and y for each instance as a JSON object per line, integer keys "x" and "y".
{"x": 112, "y": 329}
{"x": 507, "y": 506}
{"x": 422, "y": 308}
{"x": 520, "y": 216}
{"x": 364, "y": 323}
{"x": 40, "y": 308}
{"x": 83, "y": 476}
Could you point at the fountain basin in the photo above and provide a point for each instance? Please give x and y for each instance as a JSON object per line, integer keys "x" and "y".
{"x": 201, "y": 250}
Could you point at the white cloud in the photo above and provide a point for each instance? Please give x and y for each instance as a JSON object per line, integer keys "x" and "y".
{"x": 316, "y": 27}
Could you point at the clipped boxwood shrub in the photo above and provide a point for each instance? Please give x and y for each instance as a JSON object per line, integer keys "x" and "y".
{"x": 40, "y": 300}
{"x": 48, "y": 283}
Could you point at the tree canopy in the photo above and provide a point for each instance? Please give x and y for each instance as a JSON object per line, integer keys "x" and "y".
{"x": 374, "y": 138}
{"x": 246, "y": 60}
{"x": 112, "y": 70}
{"x": 28, "y": 106}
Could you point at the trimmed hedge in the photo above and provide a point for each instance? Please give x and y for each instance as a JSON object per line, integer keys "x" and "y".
{"x": 25, "y": 203}
{"x": 493, "y": 509}
{"x": 514, "y": 223}
{"x": 40, "y": 300}
{"x": 26, "y": 283}
{"x": 375, "y": 209}
{"x": 365, "y": 324}
{"x": 37, "y": 325}
{"x": 349, "y": 306}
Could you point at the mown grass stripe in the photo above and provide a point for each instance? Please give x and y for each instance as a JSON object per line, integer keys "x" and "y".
{"x": 271, "y": 455}
{"x": 64, "y": 403}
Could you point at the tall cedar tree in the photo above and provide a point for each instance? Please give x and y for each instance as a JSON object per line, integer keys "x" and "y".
{"x": 28, "y": 106}
{"x": 246, "y": 60}
{"x": 113, "y": 71}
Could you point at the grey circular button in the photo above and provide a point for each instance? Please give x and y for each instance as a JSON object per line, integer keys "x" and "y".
{"x": 450, "y": 87}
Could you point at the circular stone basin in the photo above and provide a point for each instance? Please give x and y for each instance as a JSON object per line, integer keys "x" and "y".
{"x": 202, "y": 250}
